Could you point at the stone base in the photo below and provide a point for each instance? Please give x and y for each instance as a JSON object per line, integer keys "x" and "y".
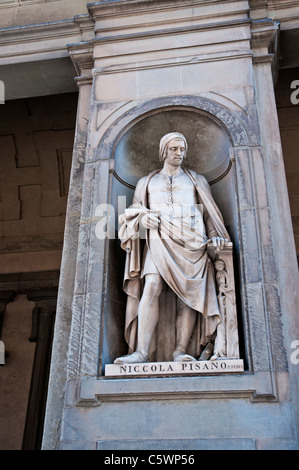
{"x": 154, "y": 369}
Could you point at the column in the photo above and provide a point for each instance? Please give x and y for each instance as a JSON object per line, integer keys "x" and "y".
{"x": 264, "y": 33}
{"x": 81, "y": 55}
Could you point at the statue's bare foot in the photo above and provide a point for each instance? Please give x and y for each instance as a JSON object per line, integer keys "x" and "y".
{"x": 133, "y": 358}
{"x": 179, "y": 356}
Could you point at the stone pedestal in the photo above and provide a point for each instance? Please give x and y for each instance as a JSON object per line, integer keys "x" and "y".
{"x": 204, "y": 69}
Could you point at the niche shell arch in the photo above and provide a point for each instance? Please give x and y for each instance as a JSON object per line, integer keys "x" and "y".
{"x": 137, "y": 152}
{"x": 225, "y": 118}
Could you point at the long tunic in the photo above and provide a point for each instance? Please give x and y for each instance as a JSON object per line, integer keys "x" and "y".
{"x": 176, "y": 249}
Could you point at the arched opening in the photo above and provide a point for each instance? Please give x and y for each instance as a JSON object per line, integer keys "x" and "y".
{"x": 135, "y": 152}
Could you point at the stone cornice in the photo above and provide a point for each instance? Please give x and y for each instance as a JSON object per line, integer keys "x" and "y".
{"x": 273, "y": 4}
{"x": 146, "y": 14}
{"x": 176, "y": 30}
{"x": 54, "y": 29}
{"x": 43, "y": 41}
{"x": 265, "y": 43}
{"x": 285, "y": 11}
{"x": 263, "y": 33}
{"x": 112, "y": 7}
{"x": 82, "y": 58}
{"x": 38, "y": 31}
{"x": 202, "y": 19}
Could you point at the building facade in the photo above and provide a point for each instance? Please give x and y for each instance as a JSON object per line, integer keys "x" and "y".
{"x": 88, "y": 90}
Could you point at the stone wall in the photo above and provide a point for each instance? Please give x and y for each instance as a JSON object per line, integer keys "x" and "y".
{"x": 36, "y": 138}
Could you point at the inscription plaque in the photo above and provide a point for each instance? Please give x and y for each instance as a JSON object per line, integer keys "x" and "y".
{"x": 153, "y": 369}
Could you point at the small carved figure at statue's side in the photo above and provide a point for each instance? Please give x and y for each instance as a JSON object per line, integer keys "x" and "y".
{"x": 180, "y": 216}
{"x": 221, "y": 280}
{"x": 226, "y": 299}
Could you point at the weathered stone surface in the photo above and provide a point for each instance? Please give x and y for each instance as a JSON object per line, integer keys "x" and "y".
{"x": 148, "y": 420}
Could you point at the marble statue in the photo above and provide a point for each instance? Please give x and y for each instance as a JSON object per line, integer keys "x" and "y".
{"x": 176, "y": 208}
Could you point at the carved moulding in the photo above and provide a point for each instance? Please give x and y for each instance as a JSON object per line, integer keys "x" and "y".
{"x": 227, "y": 119}
{"x": 93, "y": 391}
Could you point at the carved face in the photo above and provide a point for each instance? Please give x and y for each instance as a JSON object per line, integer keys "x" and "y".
{"x": 219, "y": 265}
{"x": 175, "y": 152}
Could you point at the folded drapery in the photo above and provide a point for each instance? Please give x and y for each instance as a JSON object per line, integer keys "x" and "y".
{"x": 177, "y": 251}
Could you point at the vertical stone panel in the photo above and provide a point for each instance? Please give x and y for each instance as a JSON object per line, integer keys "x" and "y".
{"x": 243, "y": 172}
{"x": 90, "y": 282}
{"x": 67, "y": 304}
{"x": 94, "y": 306}
{"x": 258, "y": 334}
{"x": 74, "y": 347}
{"x": 278, "y": 343}
{"x": 249, "y": 247}
{"x": 258, "y": 260}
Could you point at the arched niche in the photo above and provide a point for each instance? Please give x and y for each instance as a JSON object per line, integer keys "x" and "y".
{"x": 135, "y": 151}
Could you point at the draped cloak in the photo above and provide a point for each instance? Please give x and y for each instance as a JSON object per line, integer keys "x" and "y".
{"x": 194, "y": 285}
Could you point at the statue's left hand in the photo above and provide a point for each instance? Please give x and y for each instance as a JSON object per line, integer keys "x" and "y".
{"x": 219, "y": 242}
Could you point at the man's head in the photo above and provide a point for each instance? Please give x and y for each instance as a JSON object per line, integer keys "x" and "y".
{"x": 219, "y": 265}
{"x": 172, "y": 142}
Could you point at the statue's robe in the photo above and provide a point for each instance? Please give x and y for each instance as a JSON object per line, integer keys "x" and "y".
{"x": 177, "y": 250}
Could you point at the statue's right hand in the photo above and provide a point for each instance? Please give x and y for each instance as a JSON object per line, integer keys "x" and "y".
{"x": 150, "y": 221}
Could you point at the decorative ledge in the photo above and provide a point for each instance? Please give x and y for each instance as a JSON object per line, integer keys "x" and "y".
{"x": 92, "y": 391}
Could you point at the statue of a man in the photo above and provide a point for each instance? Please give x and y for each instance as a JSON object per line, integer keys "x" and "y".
{"x": 176, "y": 208}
